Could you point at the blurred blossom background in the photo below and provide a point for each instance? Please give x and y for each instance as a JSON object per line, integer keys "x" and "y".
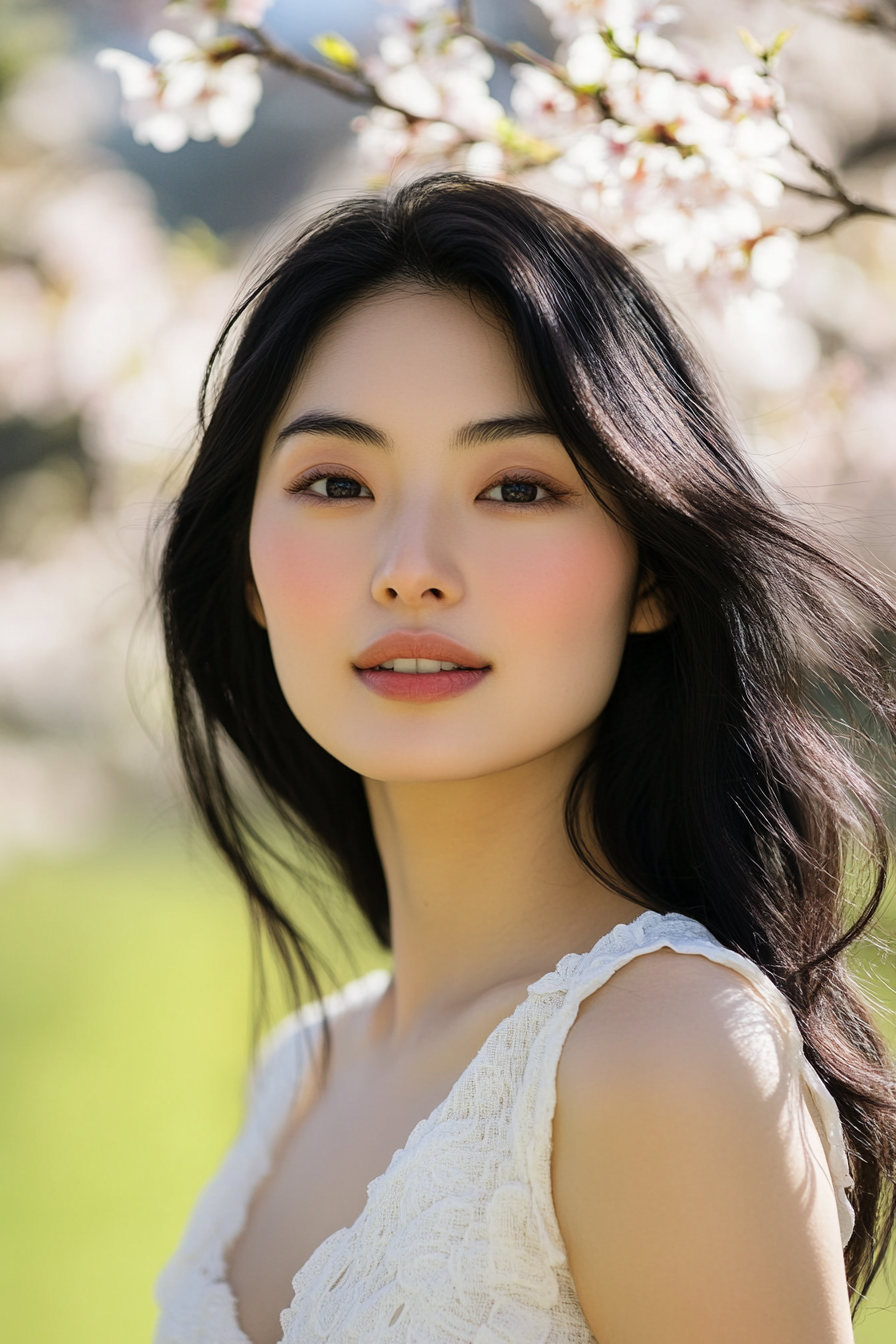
{"x": 125, "y": 987}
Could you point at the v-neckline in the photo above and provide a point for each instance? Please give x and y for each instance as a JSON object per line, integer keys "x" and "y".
{"x": 421, "y": 1126}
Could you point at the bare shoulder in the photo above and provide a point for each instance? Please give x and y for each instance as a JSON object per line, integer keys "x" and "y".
{"x": 690, "y": 1187}
{"x": 674, "y": 1020}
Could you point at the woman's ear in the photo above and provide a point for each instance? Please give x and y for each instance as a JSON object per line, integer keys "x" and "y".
{"x": 253, "y": 602}
{"x": 651, "y": 611}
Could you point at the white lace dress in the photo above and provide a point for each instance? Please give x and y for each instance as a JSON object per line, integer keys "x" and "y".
{"x": 458, "y": 1242}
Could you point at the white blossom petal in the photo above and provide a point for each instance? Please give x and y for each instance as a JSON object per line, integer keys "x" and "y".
{"x": 138, "y": 77}
{"x": 165, "y": 131}
{"x": 588, "y": 61}
{"x": 167, "y": 45}
{"x": 772, "y": 260}
{"x": 411, "y": 91}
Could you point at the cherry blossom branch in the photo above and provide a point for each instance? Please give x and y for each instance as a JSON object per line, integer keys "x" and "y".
{"x": 352, "y": 87}
{"x": 263, "y": 46}
{"x": 837, "y": 193}
{"x": 851, "y": 208}
{"x": 664, "y": 156}
{"x": 513, "y": 52}
{"x": 357, "y": 89}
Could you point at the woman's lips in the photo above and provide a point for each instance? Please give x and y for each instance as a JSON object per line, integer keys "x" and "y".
{"x": 421, "y": 687}
{"x": 416, "y": 670}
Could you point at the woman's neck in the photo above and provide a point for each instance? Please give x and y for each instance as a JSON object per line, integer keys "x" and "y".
{"x": 484, "y": 887}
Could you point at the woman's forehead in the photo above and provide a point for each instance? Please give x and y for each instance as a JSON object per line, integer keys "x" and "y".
{"x": 411, "y": 347}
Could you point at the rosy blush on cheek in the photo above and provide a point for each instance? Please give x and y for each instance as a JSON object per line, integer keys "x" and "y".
{"x": 565, "y": 609}
{"x": 575, "y": 584}
{"x": 306, "y": 588}
{"x": 294, "y": 570}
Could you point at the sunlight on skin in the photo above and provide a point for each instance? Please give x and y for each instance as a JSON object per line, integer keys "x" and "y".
{"x": 543, "y": 592}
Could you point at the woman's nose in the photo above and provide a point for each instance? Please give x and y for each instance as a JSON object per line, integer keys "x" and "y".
{"x": 417, "y": 568}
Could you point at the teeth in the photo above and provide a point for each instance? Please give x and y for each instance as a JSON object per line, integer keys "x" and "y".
{"x": 418, "y": 665}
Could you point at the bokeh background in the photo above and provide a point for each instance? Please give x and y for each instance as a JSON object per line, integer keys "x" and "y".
{"x": 124, "y": 955}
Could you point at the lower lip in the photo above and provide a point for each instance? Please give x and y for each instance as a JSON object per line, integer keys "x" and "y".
{"x": 421, "y": 688}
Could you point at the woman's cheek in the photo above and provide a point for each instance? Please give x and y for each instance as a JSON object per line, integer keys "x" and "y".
{"x": 304, "y": 580}
{"x": 573, "y": 593}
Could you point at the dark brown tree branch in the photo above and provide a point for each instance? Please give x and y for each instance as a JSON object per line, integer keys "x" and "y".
{"x": 853, "y": 211}
{"x": 851, "y": 207}
{"x": 352, "y": 87}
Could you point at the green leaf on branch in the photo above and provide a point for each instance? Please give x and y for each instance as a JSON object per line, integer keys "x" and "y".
{"x": 616, "y": 51}
{"x": 784, "y": 36}
{"x": 768, "y": 53}
{"x": 337, "y": 50}
{"x": 753, "y": 47}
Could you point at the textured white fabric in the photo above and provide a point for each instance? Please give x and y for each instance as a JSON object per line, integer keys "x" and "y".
{"x": 458, "y": 1242}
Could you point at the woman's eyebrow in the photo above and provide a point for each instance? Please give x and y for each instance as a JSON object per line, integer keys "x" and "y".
{"x": 476, "y": 432}
{"x": 502, "y": 427}
{"x": 340, "y": 426}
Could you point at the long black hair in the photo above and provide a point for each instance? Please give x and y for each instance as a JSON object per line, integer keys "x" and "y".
{"x": 732, "y": 773}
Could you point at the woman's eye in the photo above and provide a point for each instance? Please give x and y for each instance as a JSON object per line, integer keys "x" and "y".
{"x": 516, "y": 492}
{"x": 338, "y": 487}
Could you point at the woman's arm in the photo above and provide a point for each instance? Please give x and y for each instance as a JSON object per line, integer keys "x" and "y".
{"x": 690, "y": 1184}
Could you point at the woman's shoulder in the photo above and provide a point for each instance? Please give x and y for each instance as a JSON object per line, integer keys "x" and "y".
{"x": 679, "y": 1118}
{"x": 663, "y": 988}
{"x": 710, "y": 1021}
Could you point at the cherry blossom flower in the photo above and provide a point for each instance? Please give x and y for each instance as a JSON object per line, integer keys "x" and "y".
{"x": 426, "y": 70}
{"x": 656, "y": 152}
{"x": 192, "y": 91}
{"x": 657, "y": 155}
{"x": 588, "y": 61}
{"x": 569, "y": 18}
{"x": 772, "y": 259}
{"x": 248, "y": 12}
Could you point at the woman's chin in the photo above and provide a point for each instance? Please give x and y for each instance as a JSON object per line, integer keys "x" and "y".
{"x": 434, "y": 762}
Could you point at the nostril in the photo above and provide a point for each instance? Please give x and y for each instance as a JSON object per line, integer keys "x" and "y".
{"x": 436, "y": 592}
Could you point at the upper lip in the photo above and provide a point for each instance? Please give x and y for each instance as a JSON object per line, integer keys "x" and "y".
{"x": 417, "y": 644}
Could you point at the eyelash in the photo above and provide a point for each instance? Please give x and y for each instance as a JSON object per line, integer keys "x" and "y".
{"x": 556, "y": 494}
{"x": 303, "y": 484}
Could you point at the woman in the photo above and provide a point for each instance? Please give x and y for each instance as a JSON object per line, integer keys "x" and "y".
{"x": 474, "y": 577}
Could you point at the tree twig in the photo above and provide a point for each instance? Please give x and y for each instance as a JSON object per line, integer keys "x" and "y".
{"x": 837, "y": 194}
{"x": 354, "y": 88}
{"x": 854, "y": 210}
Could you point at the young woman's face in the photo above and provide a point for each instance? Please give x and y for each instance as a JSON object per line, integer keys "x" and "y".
{"x": 413, "y": 509}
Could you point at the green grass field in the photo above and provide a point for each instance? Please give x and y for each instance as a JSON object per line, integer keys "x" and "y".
{"x": 125, "y": 1004}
